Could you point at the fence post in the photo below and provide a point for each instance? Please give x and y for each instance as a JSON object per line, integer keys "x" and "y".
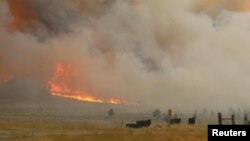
{"x": 245, "y": 119}
{"x": 220, "y": 118}
{"x": 169, "y": 117}
{"x": 233, "y": 119}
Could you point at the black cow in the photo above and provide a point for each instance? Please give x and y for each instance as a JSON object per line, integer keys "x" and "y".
{"x": 139, "y": 124}
{"x": 132, "y": 125}
{"x": 143, "y": 123}
{"x": 175, "y": 121}
{"x": 191, "y": 120}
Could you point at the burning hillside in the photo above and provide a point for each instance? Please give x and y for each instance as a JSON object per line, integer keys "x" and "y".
{"x": 160, "y": 53}
{"x": 59, "y": 86}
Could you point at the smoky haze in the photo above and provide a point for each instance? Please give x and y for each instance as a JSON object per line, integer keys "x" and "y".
{"x": 161, "y": 53}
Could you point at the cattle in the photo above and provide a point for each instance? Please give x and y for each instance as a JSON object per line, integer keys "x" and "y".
{"x": 191, "y": 120}
{"x": 139, "y": 124}
{"x": 144, "y": 123}
{"x": 132, "y": 125}
{"x": 175, "y": 121}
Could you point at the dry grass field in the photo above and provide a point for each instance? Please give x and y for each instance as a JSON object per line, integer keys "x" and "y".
{"x": 81, "y": 131}
{"x": 33, "y": 126}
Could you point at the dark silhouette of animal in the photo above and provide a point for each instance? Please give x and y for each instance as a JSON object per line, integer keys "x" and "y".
{"x": 139, "y": 124}
{"x": 191, "y": 120}
{"x": 175, "y": 121}
{"x": 132, "y": 125}
{"x": 144, "y": 123}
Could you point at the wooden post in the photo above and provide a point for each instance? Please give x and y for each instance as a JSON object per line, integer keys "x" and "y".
{"x": 169, "y": 117}
{"x": 220, "y": 118}
{"x": 245, "y": 119}
{"x": 233, "y": 119}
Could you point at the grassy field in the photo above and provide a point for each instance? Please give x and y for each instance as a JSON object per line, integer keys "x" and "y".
{"x": 77, "y": 130}
{"x": 83, "y": 123}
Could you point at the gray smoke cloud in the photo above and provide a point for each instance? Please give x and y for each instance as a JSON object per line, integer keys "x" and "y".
{"x": 161, "y": 53}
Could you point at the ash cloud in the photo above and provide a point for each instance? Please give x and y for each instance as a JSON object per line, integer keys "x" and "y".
{"x": 162, "y": 53}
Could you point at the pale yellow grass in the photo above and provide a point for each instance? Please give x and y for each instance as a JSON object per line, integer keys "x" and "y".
{"x": 68, "y": 130}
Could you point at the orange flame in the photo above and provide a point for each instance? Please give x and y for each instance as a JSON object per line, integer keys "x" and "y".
{"x": 59, "y": 87}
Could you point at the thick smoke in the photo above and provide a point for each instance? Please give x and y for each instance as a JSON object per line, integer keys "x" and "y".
{"x": 161, "y": 53}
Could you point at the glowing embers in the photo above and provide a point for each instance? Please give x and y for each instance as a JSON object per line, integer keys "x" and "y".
{"x": 58, "y": 86}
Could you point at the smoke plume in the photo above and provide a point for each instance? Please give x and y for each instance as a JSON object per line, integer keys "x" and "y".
{"x": 163, "y": 53}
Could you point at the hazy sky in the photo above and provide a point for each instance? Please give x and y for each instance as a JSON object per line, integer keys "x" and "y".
{"x": 161, "y": 53}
